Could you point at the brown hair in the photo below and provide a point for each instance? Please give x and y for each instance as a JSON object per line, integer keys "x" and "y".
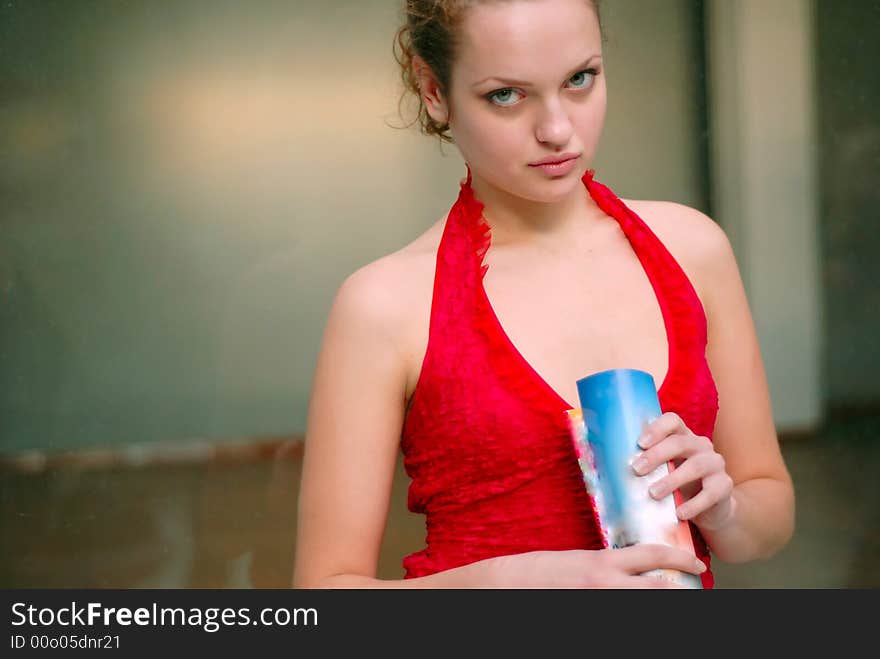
{"x": 429, "y": 31}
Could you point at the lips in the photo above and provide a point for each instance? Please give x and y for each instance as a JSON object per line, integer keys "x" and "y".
{"x": 554, "y": 160}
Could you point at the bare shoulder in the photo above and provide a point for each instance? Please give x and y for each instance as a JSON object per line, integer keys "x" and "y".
{"x": 697, "y": 242}
{"x": 687, "y": 232}
{"x": 388, "y": 284}
{"x": 390, "y": 297}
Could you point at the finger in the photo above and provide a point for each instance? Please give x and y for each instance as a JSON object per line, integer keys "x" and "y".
{"x": 671, "y": 448}
{"x": 716, "y": 488}
{"x": 692, "y": 470}
{"x": 642, "y": 558}
{"x": 666, "y": 424}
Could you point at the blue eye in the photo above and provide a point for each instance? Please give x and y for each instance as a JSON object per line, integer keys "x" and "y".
{"x": 582, "y": 79}
{"x": 504, "y": 97}
{"x": 509, "y": 96}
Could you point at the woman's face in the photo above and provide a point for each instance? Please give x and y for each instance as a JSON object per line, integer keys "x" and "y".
{"x": 527, "y": 85}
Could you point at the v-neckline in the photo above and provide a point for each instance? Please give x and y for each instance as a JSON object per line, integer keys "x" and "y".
{"x": 530, "y": 370}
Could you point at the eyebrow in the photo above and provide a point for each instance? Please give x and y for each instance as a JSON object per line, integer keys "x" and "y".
{"x": 523, "y": 83}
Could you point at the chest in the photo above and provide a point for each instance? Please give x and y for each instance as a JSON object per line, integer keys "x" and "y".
{"x": 570, "y": 317}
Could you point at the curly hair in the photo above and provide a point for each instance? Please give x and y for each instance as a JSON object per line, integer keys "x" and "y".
{"x": 430, "y": 31}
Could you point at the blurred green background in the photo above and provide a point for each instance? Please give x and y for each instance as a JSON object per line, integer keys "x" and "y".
{"x": 185, "y": 184}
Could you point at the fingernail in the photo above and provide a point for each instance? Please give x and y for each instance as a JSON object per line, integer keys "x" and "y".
{"x": 639, "y": 465}
{"x": 643, "y": 441}
{"x": 701, "y": 566}
{"x": 656, "y": 491}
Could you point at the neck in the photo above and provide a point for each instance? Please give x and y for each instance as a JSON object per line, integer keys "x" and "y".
{"x": 513, "y": 219}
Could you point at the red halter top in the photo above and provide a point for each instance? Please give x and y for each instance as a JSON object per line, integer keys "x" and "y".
{"x": 486, "y": 441}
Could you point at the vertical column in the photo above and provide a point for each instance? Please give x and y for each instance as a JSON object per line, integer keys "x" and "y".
{"x": 762, "y": 102}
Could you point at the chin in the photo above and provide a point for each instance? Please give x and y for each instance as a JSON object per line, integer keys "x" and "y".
{"x": 547, "y": 190}
{"x": 533, "y": 186}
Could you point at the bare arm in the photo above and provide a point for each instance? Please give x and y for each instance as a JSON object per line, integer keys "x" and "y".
{"x": 736, "y": 489}
{"x": 762, "y": 519}
{"x": 352, "y": 433}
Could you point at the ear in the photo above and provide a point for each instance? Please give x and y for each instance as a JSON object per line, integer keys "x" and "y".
{"x": 432, "y": 96}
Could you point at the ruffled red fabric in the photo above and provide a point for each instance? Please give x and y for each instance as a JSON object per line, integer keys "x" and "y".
{"x": 486, "y": 442}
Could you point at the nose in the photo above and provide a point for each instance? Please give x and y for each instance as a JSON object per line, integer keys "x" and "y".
{"x": 554, "y": 126}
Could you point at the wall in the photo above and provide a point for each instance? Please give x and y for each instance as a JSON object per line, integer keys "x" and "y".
{"x": 184, "y": 185}
{"x": 849, "y": 160}
{"x": 763, "y": 120}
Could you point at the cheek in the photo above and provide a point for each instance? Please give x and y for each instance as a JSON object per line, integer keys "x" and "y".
{"x": 589, "y": 126}
{"x": 483, "y": 135}
{"x": 588, "y": 123}
{"x": 592, "y": 120}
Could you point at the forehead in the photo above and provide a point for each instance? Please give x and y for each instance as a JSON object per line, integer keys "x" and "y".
{"x": 526, "y": 39}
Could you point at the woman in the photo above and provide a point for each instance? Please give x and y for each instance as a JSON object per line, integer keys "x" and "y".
{"x": 464, "y": 347}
